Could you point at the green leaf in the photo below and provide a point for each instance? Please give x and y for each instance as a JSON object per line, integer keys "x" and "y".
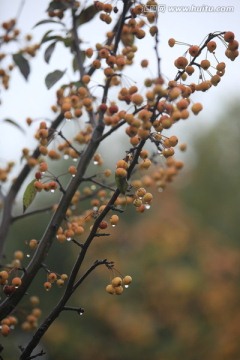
{"x": 53, "y": 77}
{"x": 57, "y": 5}
{"x": 86, "y": 15}
{"x": 29, "y": 195}
{"x": 42, "y": 22}
{"x": 49, "y": 51}
{"x": 53, "y": 37}
{"x": 22, "y": 64}
{"x": 121, "y": 183}
{"x": 14, "y": 123}
{"x": 75, "y": 62}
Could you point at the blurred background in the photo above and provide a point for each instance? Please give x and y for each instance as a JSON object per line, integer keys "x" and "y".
{"x": 183, "y": 254}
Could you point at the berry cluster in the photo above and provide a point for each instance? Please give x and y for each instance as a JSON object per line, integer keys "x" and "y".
{"x": 117, "y": 285}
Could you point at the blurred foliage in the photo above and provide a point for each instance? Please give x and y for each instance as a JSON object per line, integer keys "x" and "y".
{"x": 213, "y": 192}
{"x": 184, "y": 257}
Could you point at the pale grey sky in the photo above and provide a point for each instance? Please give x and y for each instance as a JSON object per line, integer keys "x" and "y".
{"x": 32, "y": 99}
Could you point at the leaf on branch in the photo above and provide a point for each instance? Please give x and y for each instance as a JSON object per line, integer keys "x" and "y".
{"x": 14, "y": 123}
{"x": 57, "y": 5}
{"x": 49, "y": 51}
{"x": 29, "y": 195}
{"x": 121, "y": 183}
{"x": 42, "y": 22}
{"x": 22, "y": 64}
{"x": 53, "y": 77}
{"x": 75, "y": 62}
{"x": 53, "y": 37}
{"x": 86, "y": 15}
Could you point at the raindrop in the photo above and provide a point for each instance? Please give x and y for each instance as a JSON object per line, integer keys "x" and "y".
{"x": 95, "y": 208}
{"x": 28, "y": 255}
{"x": 147, "y": 206}
{"x": 16, "y": 287}
{"x": 43, "y": 172}
{"x": 52, "y": 190}
{"x": 126, "y": 286}
{"x": 66, "y": 157}
{"x": 113, "y": 225}
{"x": 95, "y": 162}
{"x": 160, "y": 189}
{"x": 73, "y": 175}
{"x": 75, "y": 159}
{"x": 69, "y": 239}
{"x": 93, "y": 187}
{"x": 81, "y": 312}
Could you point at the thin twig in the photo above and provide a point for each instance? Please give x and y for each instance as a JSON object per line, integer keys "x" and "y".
{"x": 34, "y": 212}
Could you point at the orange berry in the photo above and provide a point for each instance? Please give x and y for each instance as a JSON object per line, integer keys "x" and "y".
{"x": 189, "y": 70}
{"x": 181, "y": 62}
{"x": 196, "y": 108}
{"x": 86, "y": 79}
{"x": 89, "y": 52}
{"x": 121, "y": 172}
{"x": 205, "y": 64}
{"x": 122, "y": 164}
{"x": 119, "y": 290}
{"x": 5, "y": 330}
{"x": 110, "y": 289}
{"x": 173, "y": 140}
{"x": 147, "y": 198}
{"x": 229, "y": 36}
{"x": 18, "y": 255}
{"x": 43, "y": 166}
{"x": 211, "y": 46}
{"x": 16, "y": 281}
{"x": 34, "y": 300}
{"x": 52, "y": 277}
{"x": 103, "y": 225}
{"x": 127, "y": 280}
{"x": 171, "y": 42}
{"x": 215, "y": 79}
{"x": 47, "y": 285}
{"x": 137, "y": 99}
{"x": 3, "y": 276}
{"x": 72, "y": 170}
{"x": 60, "y": 282}
{"x": 194, "y": 50}
{"x": 140, "y": 192}
{"x": 116, "y": 281}
{"x": 114, "y": 219}
{"x": 33, "y": 244}
{"x": 144, "y": 63}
